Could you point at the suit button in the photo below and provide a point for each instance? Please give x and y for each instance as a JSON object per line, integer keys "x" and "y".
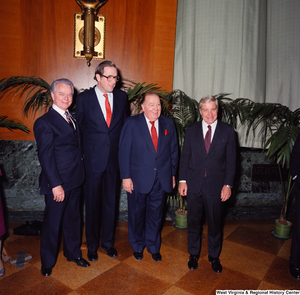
{"x": 154, "y": 169}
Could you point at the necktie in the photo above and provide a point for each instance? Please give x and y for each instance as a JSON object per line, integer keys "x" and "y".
{"x": 154, "y": 135}
{"x": 69, "y": 119}
{"x": 207, "y": 138}
{"x": 108, "y": 110}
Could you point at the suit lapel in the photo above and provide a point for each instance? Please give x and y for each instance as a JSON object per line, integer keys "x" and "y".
{"x": 200, "y": 137}
{"x": 216, "y": 137}
{"x": 63, "y": 123}
{"x": 58, "y": 117}
{"x": 77, "y": 130}
{"x": 161, "y": 133}
{"x": 96, "y": 109}
{"x": 115, "y": 111}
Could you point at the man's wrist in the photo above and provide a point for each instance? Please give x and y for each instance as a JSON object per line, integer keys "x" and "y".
{"x": 228, "y": 185}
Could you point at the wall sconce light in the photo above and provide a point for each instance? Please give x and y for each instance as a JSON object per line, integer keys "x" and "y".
{"x": 89, "y": 31}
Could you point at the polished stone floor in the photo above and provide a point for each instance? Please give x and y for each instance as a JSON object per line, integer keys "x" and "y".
{"x": 251, "y": 258}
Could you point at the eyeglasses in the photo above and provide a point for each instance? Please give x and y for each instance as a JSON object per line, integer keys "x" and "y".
{"x": 110, "y": 78}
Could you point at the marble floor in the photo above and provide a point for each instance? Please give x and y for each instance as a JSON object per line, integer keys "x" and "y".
{"x": 252, "y": 259}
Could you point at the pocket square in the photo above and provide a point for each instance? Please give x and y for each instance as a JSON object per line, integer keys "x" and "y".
{"x": 166, "y": 132}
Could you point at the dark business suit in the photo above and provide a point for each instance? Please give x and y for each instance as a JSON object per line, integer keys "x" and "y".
{"x": 60, "y": 155}
{"x": 100, "y": 146}
{"x": 206, "y": 174}
{"x": 295, "y": 170}
{"x": 151, "y": 173}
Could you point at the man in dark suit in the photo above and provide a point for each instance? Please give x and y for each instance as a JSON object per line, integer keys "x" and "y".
{"x": 100, "y": 113}
{"x": 59, "y": 150}
{"x": 206, "y": 175}
{"x": 148, "y": 156}
{"x": 295, "y": 249}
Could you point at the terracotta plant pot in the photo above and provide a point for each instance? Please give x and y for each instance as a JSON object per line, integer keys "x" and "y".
{"x": 180, "y": 219}
{"x": 282, "y": 231}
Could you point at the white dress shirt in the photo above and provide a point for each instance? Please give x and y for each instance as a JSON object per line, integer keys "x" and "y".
{"x": 213, "y": 128}
{"x": 150, "y": 125}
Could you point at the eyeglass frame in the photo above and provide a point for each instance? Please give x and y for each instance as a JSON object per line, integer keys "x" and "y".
{"x": 110, "y": 77}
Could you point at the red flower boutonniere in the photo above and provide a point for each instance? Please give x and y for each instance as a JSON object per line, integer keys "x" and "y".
{"x": 166, "y": 132}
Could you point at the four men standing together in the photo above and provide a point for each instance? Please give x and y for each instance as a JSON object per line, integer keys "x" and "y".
{"x": 141, "y": 150}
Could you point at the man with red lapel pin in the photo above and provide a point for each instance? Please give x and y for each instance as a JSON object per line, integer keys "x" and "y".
{"x": 148, "y": 156}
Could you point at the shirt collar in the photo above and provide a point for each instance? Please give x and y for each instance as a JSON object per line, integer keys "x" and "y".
{"x": 59, "y": 110}
{"x": 213, "y": 125}
{"x": 99, "y": 93}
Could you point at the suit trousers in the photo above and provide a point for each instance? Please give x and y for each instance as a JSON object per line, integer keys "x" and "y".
{"x": 145, "y": 212}
{"x": 61, "y": 217}
{"x": 295, "y": 248}
{"x": 212, "y": 205}
{"x": 100, "y": 192}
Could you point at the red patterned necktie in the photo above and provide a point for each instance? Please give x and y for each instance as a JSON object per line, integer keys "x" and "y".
{"x": 69, "y": 119}
{"x": 154, "y": 135}
{"x": 207, "y": 139}
{"x": 108, "y": 110}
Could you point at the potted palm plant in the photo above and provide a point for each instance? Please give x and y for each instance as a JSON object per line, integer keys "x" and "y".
{"x": 184, "y": 111}
{"x": 279, "y": 129}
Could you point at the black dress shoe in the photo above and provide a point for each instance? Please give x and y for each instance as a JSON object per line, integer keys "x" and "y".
{"x": 138, "y": 256}
{"x": 80, "y": 262}
{"x": 156, "y": 257}
{"x": 92, "y": 256}
{"x": 193, "y": 262}
{"x": 295, "y": 271}
{"x": 215, "y": 264}
{"x": 46, "y": 272}
{"x": 110, "y": 251}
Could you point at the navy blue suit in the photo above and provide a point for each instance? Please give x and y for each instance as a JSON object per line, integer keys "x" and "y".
{"x": 100, "y": 147}
{"x": 295, "y": 170}
{"x": 206, "y": 174}
{"x": 151, "y": 173}
{"x": 61, "y": 158}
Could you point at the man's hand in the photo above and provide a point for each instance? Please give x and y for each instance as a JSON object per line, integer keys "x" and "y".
{"x": 58, "y": 193}
{"x": 225, "y": 193}
{"x": 127, "y": 185}
{"x": 182, "y": 188}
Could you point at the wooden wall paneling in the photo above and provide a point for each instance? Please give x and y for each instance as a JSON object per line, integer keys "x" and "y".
{"x": 140, "y": 36}
{"x": 10, "y": 38}
{"x": 164, "y": 43}
{"x": 130, "y": 37}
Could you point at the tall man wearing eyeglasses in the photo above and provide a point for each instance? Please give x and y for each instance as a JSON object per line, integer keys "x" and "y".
{"x": 100, "y": 113}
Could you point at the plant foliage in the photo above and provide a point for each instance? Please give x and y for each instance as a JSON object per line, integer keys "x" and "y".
{"x": 37, "y": 91}
{"x": 135, "y": 92}
{"x": 278, "y": 127}
{"x": 11, "y": 124}
{"x": 276, "y": 124}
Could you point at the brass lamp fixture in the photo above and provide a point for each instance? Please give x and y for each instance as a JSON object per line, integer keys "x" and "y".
{"x": 89, "y": 31}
